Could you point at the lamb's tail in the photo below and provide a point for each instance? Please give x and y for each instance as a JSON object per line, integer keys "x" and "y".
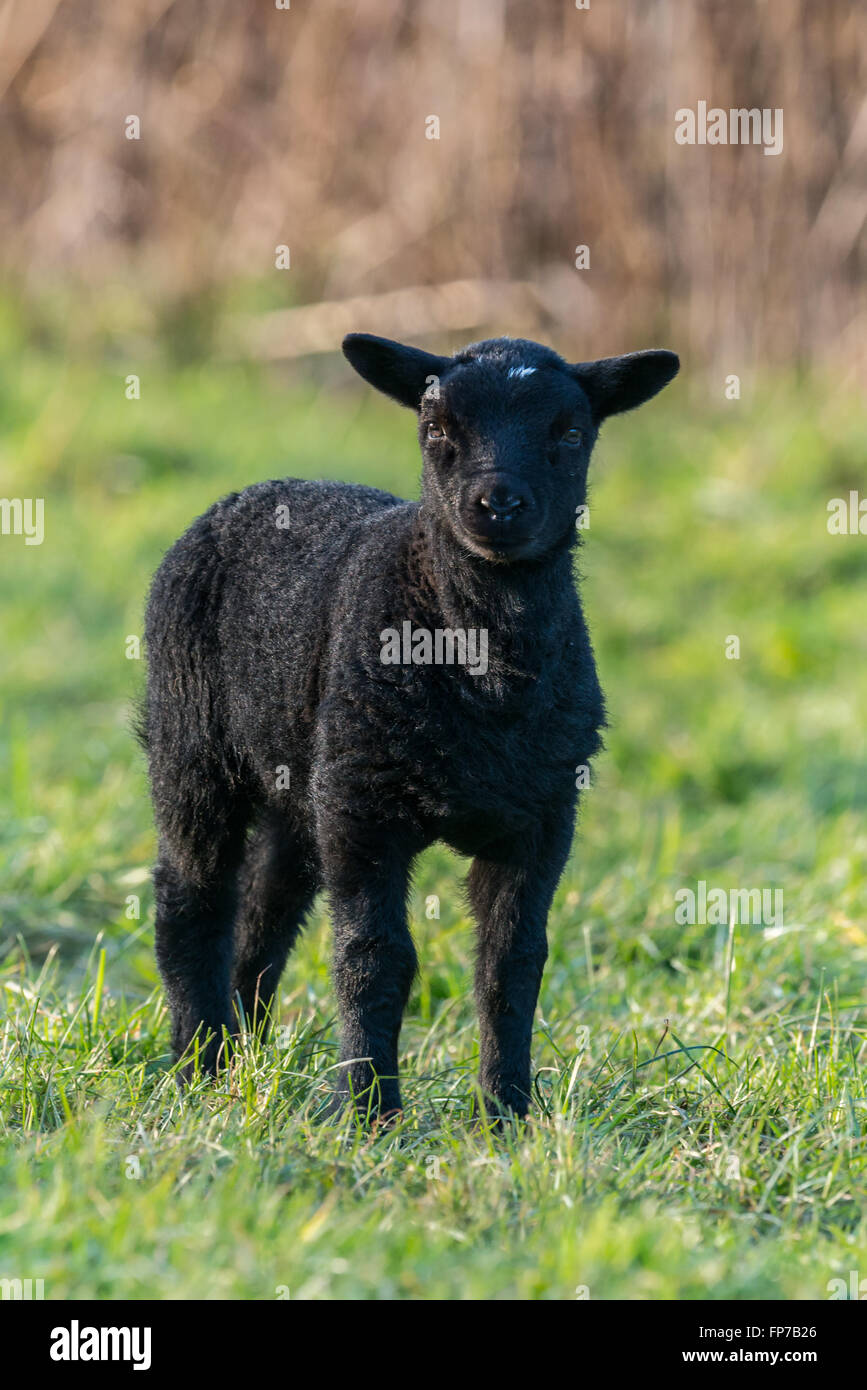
{"x": 182, "y": 721}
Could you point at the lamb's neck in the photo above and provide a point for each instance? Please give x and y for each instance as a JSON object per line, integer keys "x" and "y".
{"x": 523, "y": 603}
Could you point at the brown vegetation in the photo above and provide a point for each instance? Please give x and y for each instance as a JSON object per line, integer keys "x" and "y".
{"x": 306, "y": 126}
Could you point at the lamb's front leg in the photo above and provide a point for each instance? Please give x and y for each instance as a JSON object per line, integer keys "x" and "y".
{"x": 510, "y": 889}
{"x": 374, "y": 966}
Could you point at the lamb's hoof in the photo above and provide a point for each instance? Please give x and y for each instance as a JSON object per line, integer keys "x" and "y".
{"x": 375, "y": 1120}
{"x": 386, "y": 1120}
{"x": 333, "y": 1108}
{"x": 490, "y": 1115}
{"x": 206, "y": 1063}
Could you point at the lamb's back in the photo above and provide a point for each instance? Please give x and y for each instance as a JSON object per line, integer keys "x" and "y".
{"x": 285, "y": 547}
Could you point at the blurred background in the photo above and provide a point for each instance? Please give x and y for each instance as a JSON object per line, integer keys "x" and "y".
{"x": 307, "y": 127}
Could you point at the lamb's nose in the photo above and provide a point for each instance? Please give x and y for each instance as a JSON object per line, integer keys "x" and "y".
{"x": 500, "y": 501}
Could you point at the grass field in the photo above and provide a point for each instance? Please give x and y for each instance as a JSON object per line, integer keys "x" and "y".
{"x": 700, "y": 1131}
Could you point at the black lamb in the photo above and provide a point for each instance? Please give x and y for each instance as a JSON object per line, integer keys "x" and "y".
{"x": 337, "y": 678}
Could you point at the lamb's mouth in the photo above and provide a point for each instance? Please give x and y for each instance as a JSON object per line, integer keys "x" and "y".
{"x": 501, "y": 546}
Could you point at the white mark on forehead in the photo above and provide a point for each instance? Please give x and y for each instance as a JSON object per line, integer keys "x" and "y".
{"x": 521, "y": 371}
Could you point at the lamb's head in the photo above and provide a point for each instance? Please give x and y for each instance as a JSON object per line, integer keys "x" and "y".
{"x": 506, "y": 429}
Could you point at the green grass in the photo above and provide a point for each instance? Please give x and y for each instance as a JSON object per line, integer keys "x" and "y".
{"x": 702, "y": 1107}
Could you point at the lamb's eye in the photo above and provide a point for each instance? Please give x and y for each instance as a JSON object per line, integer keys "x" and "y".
{"x": 571, "y": 437}
{"x": 435, "y": 432}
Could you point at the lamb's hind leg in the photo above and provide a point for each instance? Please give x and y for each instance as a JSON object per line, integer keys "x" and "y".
{"x": 202, "y": 821}
{"x": 195, "y": 891}
{"x": 200, "y": 805}
{"x": 278, "y": 884}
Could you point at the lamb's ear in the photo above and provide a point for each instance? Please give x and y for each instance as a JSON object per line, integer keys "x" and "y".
{"x": 401, "y": 372}
{"x": 621, "y": 383}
